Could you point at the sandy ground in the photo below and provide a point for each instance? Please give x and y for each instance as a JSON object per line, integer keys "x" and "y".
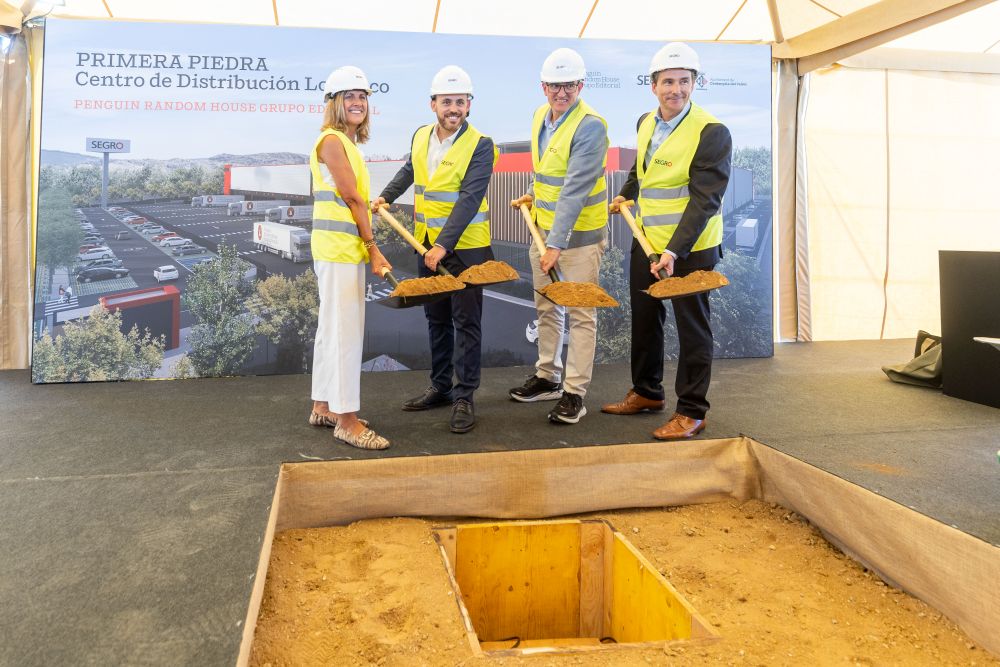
{"x": 376, "y": 593}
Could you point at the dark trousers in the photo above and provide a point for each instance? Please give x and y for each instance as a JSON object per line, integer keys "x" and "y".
{"x": 694, "y": 335}
{"x": 456, "y": 335}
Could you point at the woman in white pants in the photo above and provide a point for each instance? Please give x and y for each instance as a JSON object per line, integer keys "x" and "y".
{"x": 342, "y": 241}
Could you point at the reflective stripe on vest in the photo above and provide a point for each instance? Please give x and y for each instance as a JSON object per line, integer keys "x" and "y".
{"x": 550, "y": 171}
{"x": 663, "y": 183}
{"x": 335, "y": 235}
{"x": 435, "y": 195}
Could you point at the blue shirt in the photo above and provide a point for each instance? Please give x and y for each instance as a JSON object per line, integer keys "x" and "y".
{"x": 549, "y": 127}
{"x": 663, "y": 129}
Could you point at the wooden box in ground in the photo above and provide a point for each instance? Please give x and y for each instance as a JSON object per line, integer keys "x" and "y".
{"x": 538, "y": 586}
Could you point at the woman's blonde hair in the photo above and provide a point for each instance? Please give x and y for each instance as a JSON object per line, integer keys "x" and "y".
{"x": 335, "y": 118}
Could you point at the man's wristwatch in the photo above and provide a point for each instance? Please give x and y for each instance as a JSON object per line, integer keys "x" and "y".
{"x": 370, "y": 243}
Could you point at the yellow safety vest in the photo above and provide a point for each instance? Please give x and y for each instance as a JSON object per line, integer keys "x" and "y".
{"x": 335, "y": 235}
{"x": 435, "y": 195}
{"x": 550, "y": 171}
{"x": 663, "y": 183}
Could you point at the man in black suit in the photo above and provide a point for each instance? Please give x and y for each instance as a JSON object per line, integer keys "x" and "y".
{"x": 681, "y": 173}
{"x": 450, "y": 165}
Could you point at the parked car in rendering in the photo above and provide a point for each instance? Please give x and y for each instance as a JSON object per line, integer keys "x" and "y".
{"x": 172, "y": 241}
{"x": 102, "y": 273}
{"x": 100, "y": 252}
{"x": 94, "y": 263}
{"x": 164, "y": 235}
{"x": 152, "y": 231}
{"x": 123, "y": 235}
{"x": 187, "y": 249}
{"x": 89, "y": 246}
{"x": 168, "y": 272}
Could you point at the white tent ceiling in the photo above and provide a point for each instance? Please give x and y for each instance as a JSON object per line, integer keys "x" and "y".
{"x": 799, "y": 24}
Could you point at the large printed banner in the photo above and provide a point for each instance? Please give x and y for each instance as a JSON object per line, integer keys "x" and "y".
{"x": 199, "y": 263}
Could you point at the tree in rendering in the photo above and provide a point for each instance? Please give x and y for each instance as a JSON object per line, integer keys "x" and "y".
{"x": 741, "y": 312}
{"x": 95, "y": 349}
{"x": 614, "y": 333}
{"x": 286, "y": 311}
{"x": 59, "y": 235}
{"x": 217, "y": 294}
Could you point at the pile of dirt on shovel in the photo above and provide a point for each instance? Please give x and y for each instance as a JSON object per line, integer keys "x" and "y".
{"x": 578, "y": 295}
{"x": 431, "y": 285}
{"x": 488, "y": 272}
{"x": 692, "y": 283}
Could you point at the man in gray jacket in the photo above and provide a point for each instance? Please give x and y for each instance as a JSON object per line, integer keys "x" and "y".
{"x": 569, "y": 147}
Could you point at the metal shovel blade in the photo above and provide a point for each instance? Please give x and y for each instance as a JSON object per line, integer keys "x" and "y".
{"x": 407, "y": 301}
{"x": 411, "y": 301}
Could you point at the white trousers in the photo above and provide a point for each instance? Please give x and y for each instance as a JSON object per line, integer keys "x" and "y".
{"x": 581, "y": 265}
{"x": 340, "y": 335}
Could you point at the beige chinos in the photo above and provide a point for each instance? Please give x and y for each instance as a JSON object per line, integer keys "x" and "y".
{"x": 575, "y": 265}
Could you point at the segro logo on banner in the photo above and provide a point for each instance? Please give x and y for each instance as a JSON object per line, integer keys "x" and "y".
{"x": 97, "y": 145}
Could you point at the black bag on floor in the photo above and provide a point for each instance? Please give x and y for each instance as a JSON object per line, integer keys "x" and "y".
{"x": 924, "y": 370}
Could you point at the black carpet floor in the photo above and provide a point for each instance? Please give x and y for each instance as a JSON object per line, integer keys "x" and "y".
{"x": 133, "y": 512}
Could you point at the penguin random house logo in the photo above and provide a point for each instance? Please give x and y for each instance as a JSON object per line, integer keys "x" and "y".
{"x": 260, "y": 232}
{"x": 600, "y": 80}
{"x": 291, "y": 212}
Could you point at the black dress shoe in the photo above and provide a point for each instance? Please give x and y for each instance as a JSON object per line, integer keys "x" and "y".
{"x": 431, "y": 398}
{"x": 463, "y": 417}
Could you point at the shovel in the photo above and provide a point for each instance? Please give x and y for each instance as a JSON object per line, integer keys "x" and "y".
{"x": 448, "y": 282}
{"x": 589, "y": 295}
{"x": 419, "y": 247}
{"x": 671, "y": 287}
{"x": 406, "y": 301}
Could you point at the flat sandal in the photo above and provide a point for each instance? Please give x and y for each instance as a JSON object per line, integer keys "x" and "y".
{"x": 367, "y": 439}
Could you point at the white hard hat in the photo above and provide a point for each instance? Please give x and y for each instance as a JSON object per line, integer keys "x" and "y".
{"x": 562, "y": 66}
{"x": 675, "y": 55}
{"x": 451, "y": 80}
{"x": 347, "y": 77}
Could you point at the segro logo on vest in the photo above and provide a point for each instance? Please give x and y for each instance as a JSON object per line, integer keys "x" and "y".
{"x": 663, "y": 163}
{"x": 447, "y": 163}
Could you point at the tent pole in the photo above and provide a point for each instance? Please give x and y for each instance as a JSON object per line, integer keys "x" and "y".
{"x": 791, "y": 207}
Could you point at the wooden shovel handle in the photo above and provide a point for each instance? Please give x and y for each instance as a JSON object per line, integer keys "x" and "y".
{"x": 408, "y": 237}
{"x": 537, "y": 238}
{"x": 653, "y": 256}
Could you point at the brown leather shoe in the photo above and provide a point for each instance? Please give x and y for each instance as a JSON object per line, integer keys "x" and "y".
{"x": 633, "y": 404}
{"x": 679, "y": 428}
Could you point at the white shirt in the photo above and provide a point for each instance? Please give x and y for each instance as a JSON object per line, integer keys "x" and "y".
{"x": 436, "y": 150}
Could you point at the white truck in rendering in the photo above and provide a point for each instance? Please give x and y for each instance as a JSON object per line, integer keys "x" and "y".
{"x": 288, "y": 213}
{"x": 746, "y": 234}
{"x": 289, "y": 242}
{"x": 254, "y": 207}
{"x": 217, "y": 200}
